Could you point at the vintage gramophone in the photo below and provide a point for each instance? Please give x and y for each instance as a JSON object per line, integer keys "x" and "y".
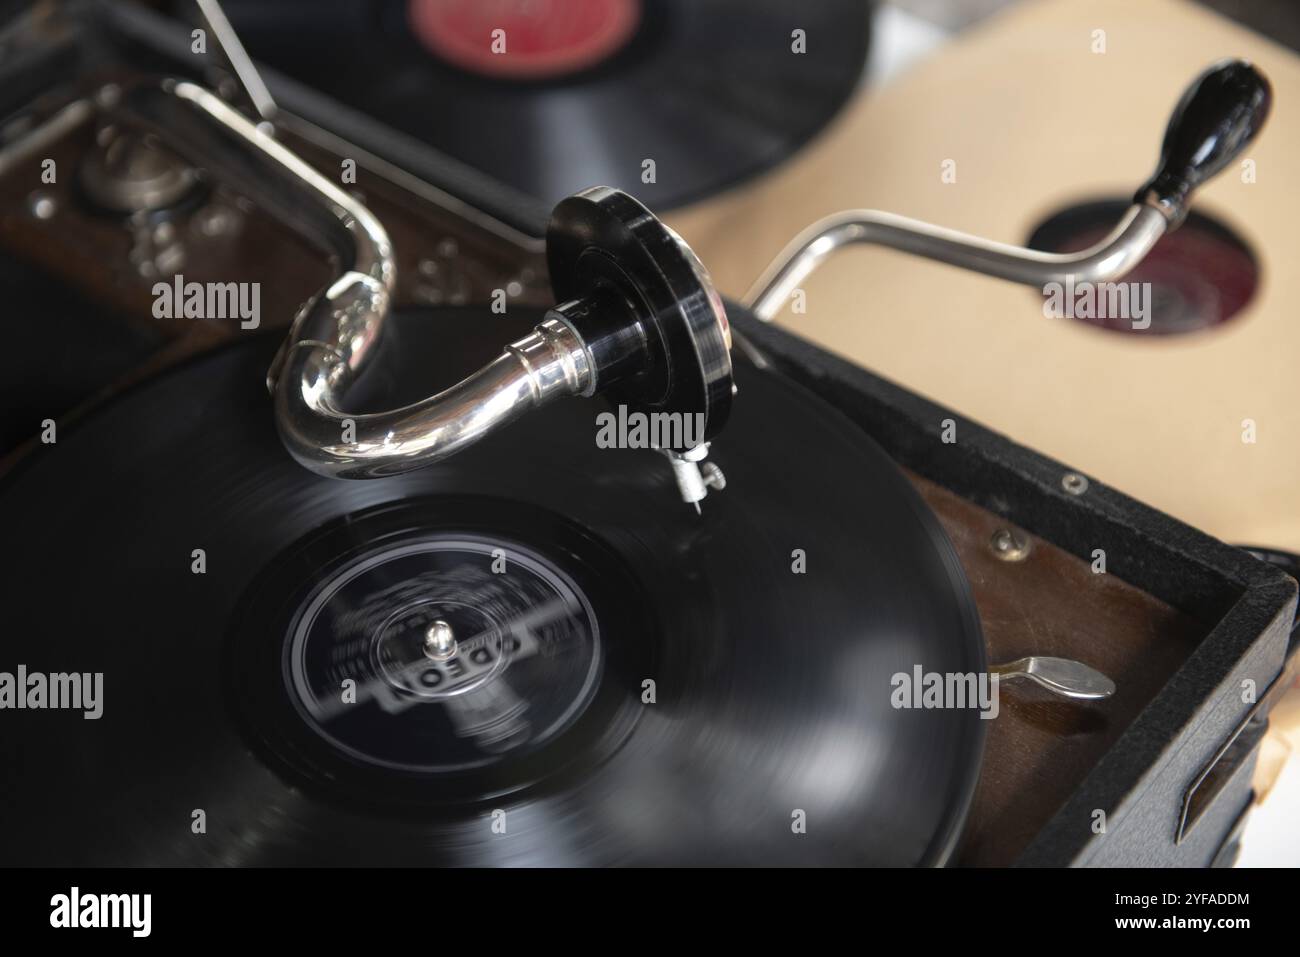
{"x": 194, "y": 160}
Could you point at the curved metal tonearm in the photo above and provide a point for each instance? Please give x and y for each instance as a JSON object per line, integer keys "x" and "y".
{"x": 652, "y": 298}
{"x": 333, "y": 335}
{"x": 1217, "y": 116}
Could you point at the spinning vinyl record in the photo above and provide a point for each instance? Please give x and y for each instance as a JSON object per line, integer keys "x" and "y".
{"x": 532, "y": 653}
{"x": 669, "y": 99}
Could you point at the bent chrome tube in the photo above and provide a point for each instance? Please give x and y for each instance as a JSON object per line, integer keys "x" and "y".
{"x": 549, "y": 362}
{"x": 333, "y": 335}
{"x": 1109, "y": 259}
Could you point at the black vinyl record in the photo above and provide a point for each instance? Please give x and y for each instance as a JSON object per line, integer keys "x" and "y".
{"x": 579, "y": 93}
{"x": 633, "y": 683}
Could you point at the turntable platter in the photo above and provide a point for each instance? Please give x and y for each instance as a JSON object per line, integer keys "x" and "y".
{"x": 631, "y": 683}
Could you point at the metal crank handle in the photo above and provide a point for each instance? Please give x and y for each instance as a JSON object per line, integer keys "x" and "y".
{"x": 637, "y": 317}
{"x": 1061, "y": 676}
{"x": 1217, "y": 117}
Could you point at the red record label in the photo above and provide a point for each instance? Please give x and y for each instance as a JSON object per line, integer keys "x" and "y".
{"x": 532, "y": 39}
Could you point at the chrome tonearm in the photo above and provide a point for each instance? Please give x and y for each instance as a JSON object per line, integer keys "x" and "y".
{"x": 1215, "y": 119}
{"x": 637, "y": 316}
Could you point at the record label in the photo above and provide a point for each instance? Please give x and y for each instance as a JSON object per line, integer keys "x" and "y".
{"x": 521, "y": 663}
{"x": 524, "y": 38}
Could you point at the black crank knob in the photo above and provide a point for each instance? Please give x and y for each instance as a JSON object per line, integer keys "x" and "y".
{"x": 1217, "y": 117}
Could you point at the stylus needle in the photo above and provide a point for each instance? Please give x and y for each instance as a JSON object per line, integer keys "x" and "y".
{"x": 1063, "y": 676}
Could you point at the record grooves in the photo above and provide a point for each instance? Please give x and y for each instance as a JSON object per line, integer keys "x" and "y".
{"x": 771, "y": 688}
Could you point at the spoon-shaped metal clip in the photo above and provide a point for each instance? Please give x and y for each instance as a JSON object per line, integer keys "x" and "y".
{"x": 1062, "y": 676}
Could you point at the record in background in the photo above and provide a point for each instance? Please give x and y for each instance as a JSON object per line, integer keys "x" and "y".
{"x": 584, "y": 91}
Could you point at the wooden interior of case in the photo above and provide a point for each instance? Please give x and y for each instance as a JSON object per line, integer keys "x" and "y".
{"x": 1041, "y": 746}
{"x": 1051, "y": 603}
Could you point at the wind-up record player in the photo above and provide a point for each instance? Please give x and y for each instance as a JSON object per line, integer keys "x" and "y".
{"x": 376, "y": 525}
